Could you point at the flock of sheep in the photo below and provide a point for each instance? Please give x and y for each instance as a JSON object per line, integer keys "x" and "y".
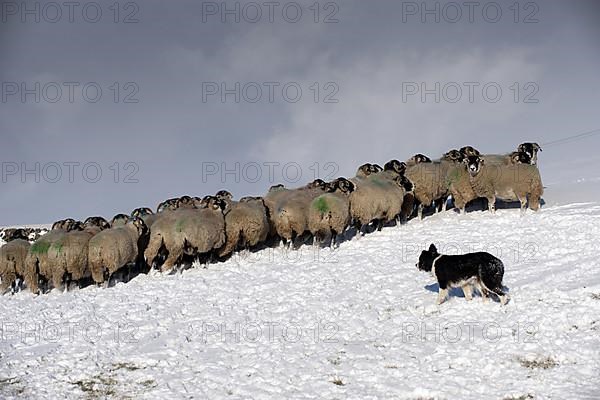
{"x": 190, "y": 228}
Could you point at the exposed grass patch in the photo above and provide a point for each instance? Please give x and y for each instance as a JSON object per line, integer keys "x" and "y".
{"x": 110, "y": 385}
{"x": 125, "y": 365}
{"x": 538, "y": 363}
{"x": 11, "y": 387}
{"x": 527, "y": 396}
{"x": 595, "y": 296}
{"x": 97, "y": 387}
{"x": 338, "y": 382}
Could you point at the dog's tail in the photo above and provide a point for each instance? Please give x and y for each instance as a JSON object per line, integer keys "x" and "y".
{"x": 497, "y": 291}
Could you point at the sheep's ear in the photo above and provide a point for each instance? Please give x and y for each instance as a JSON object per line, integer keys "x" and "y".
{"x": 537, "y": 146}
{"x": 432, "y": 249}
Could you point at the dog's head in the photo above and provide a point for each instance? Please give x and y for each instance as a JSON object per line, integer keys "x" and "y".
{"x": 427, "y": 258}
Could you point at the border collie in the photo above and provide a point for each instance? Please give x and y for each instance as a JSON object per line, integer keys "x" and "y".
{"x": 481, "y": 269}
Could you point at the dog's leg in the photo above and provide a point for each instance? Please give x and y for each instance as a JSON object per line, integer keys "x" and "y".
{"x": 442, "y": 295}
{"x": 482, "y": 291}
{"x": 468, "y": 291}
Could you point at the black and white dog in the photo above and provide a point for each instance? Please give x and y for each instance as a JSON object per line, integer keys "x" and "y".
{"x": 481, "y": 269}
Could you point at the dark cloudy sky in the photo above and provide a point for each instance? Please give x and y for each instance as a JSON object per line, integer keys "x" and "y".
{"x": 357, "y": 63}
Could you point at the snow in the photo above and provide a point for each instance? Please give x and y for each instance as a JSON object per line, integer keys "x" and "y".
{"x": 357, "y": 322}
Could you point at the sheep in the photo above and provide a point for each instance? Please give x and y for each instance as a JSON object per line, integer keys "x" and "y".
{"x": 378, "y": 197}
{"x": 531, "y": 149}
{"x": 368, "y": 169}
{"x": 516, "y": 157}
{"x": 119, "y": 220}
{"x": 68, "y": 257}
{"x": 468, "y": 151}
{"x": 508, "y": 182}
{"x": 146, "y": 214}
{"x": 176, "y": 203}
{"x": 329, "y": 213}
{"x": 187, "y": 231}
{"x": 246, "y": 224}
{"x": 429, "y": 180}
{"x": 68, "y": 224}
{"x": 288, "y": 210}
{"x": 417, "y": 159}
{"x": 37, "y": 265}
{"x": 12, "y": 260}
{"x": 114, "y": 248}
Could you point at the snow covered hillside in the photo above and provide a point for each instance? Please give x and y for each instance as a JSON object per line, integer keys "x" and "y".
{"x": 357, "y": 322}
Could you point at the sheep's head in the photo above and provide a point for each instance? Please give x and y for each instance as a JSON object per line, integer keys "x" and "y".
{"x": 396, "y": 166}
{"x": 520, "y": 157}
{"x": 474, "y": 164}
{"x": 419, "y": 158}
{"x": 427, "y": 258}
{"x": 249, "y": 199}
{"x": 65, "y": 224}
{"x": 531, "y": 149}
{"x": 276, "y": 188}
{"x": 375, "y": 168}
{"x": 404, "y": 183}
{"x": 468, "y": 151}
{"x": 344, "y": 185}
{"x": 185, "y": 202}
{"x": 140, "y": 226}
{"x": 170, "y": 204}
{"x": 119, "y": 219}
{"x": 364, "y": 170}
{"x": 453, "y": 155}
{"x": 213, "y": 203}
{"x": 14, "y": 234}
{"x": 141, "y": 212}
{"x": 317, "y": 183}
{"x": 97, "y": 222}
{"x": 224, "y": 195}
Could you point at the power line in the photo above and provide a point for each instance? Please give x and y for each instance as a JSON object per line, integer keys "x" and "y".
{"x": 570, "y": 139}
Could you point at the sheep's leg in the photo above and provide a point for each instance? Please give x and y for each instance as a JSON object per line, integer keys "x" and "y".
{"x": 492, "y": 204}
{"x": 444, "y": 204}
{"x": 57, "y": 279}
{"x": 105, "y": 278}
{"x": 171, "y": 260}
{"x": 523, "y": 201}
{"x": 420, "y": 211}
{"x": 7, "y": 281}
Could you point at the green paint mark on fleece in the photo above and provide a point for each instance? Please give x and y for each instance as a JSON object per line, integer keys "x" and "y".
{"x": 454, "y": 176}
{"x": 58, "y": 247}
{"x": 321, "y": 205}
{"x": 40, "y": 248}
{"x": 179, "y": 225}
